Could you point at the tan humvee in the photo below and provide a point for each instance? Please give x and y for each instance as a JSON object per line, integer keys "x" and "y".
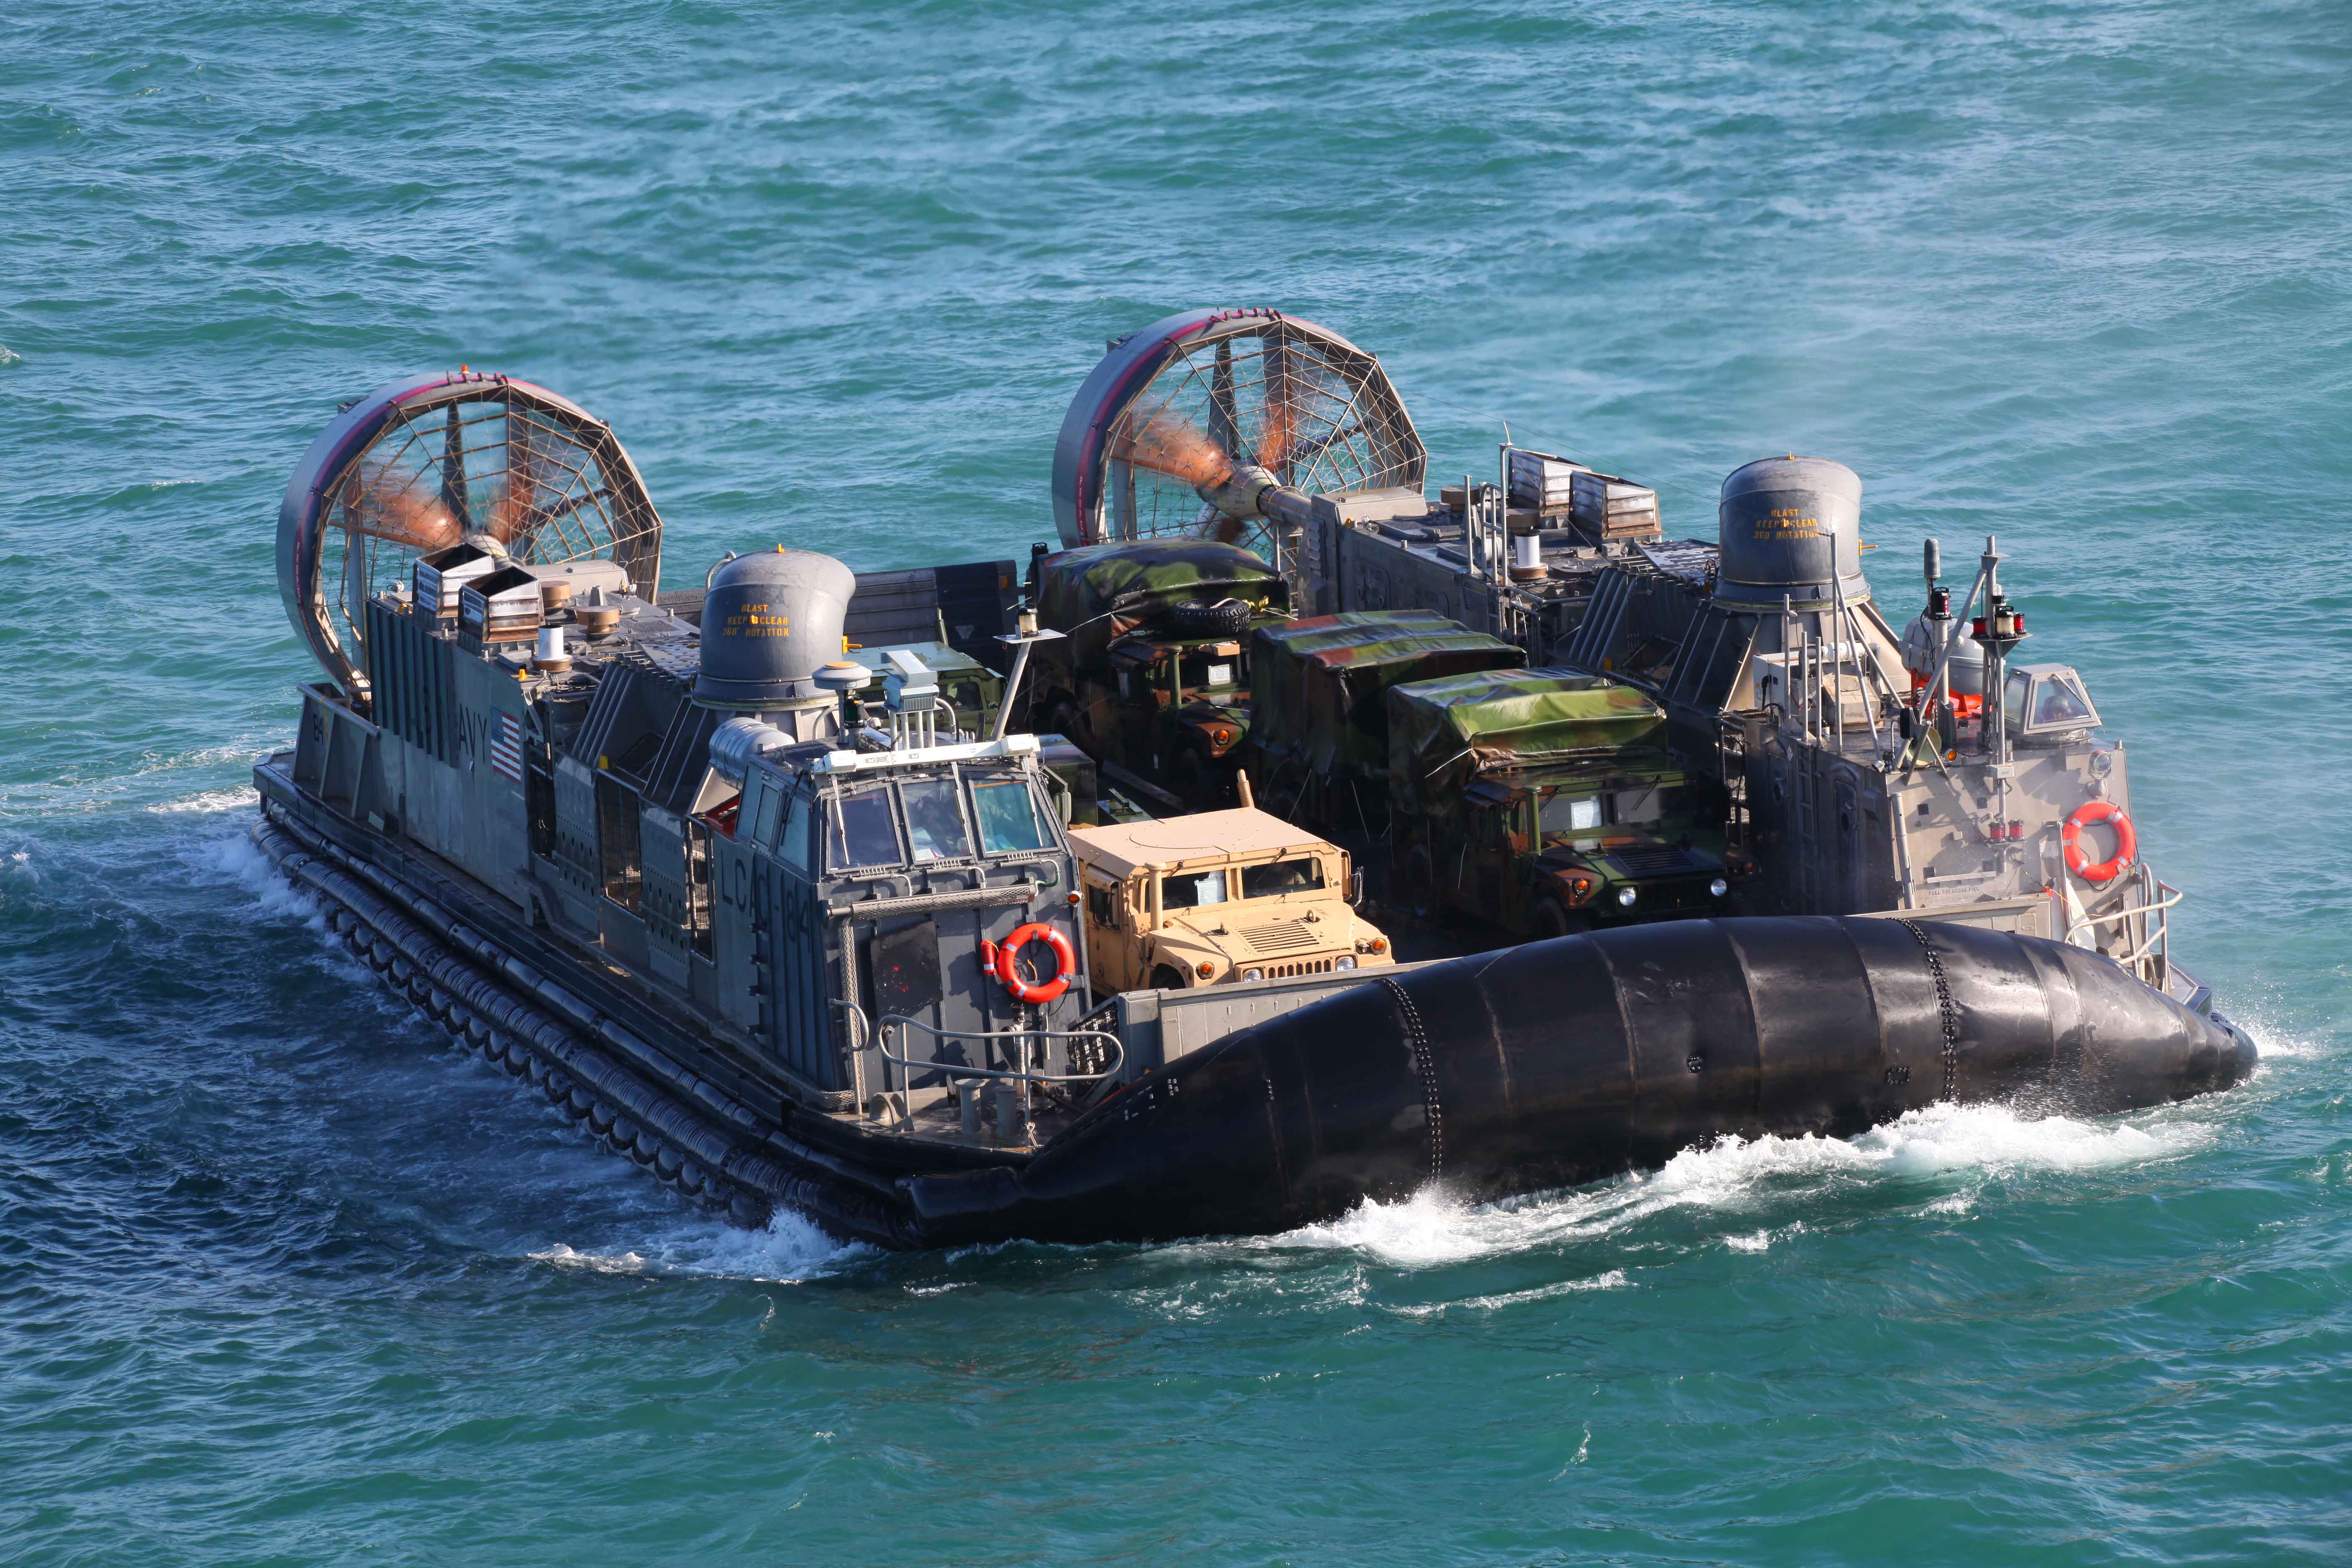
{"x": 1217, "y": 896}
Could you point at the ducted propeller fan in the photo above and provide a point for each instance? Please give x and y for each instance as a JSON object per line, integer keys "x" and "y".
{"x": 1186, "y": 421}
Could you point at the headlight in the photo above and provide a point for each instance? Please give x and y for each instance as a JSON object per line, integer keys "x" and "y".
{"x": 1626, "y": 896}
{"x": 1718, "y": 887}
{"x": 1347, "y": 962}
{"x": 1253, "y": 974}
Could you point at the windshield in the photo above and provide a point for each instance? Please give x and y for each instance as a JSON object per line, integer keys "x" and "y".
{"x": 2058, "y": 702}
{"x": 1567, "y": 813}
{"x": 1191, "y": 892}
{"x": 934, "y": 826}
{"x": 1302, "y": 874}
{"x": 861, "y": 832}
{"x": 1213, "y": 671}
{"x": 1007, "y": 817}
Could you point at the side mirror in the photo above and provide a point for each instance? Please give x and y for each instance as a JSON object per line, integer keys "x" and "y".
{"x": 1355, "y": 890}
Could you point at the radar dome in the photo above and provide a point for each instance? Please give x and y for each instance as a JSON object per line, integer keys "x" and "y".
{"x": 770, "y": 622}
{"x": 1791, "y": 527}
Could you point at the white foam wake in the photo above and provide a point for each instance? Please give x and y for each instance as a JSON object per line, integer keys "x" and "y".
{"x": 790, "y": 1248}
{"x": 1740, "y": 1179}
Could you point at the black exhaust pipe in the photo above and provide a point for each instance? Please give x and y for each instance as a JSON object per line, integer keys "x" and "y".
{"x": 1564, "y": 1061}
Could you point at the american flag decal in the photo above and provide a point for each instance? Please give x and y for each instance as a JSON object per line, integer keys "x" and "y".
{"x": 505, "y": 748}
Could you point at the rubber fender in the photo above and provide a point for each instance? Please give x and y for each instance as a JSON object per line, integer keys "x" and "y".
{"x": 623, "y": 1133}
{"x": 1563, "y": 1061}
{"x": 667, "y": 1164}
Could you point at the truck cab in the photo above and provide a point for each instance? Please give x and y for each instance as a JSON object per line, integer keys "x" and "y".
{"x": 1558, "y": 852}
{"x": 1217, "y": 896}
{"x": 1546, "y": 802}
{"x": 1152, "y": 672}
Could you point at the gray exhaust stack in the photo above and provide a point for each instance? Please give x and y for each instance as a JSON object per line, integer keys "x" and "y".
{"x": 769, "y": 623}
{"x": 1790, "y": 528}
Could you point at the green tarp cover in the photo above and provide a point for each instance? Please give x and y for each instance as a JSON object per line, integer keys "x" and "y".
{"x": 1098, "y": 593}
{"x": 1443, "y": 734}
{"x": 1317, "y": 685}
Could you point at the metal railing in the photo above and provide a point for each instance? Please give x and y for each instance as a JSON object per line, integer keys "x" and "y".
{"x": 2145, "y": 927}
{"x": 956, "y": 1071}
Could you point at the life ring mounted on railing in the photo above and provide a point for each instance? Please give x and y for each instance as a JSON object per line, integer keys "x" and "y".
{"x": 2126, "y": 841}
{"x": 1006, "y": 961}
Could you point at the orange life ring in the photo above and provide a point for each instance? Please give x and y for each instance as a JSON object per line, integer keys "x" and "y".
{"x": 1036, "y": 993}
{"x": 2126, "y": 841}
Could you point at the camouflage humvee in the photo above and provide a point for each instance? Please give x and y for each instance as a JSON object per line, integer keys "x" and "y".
{"x": 1318, "y": 741}
{"x": 1544, "y": 801}
{"x": 1152, "y": 672}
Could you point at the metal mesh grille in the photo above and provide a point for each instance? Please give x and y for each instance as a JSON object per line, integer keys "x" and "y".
{"x": 544, "y": 483}
{"x": 1318, "y": 413}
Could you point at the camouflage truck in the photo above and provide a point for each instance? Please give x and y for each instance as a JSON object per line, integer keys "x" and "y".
{"x": 1153, "y": 671}
{"x": 1545, "y": 802}
{"x": 1217, "y": 896}
{"x": 1318, "y": 741}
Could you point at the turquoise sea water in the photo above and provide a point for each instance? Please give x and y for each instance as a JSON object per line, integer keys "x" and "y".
{"x": 282, "y": 1279}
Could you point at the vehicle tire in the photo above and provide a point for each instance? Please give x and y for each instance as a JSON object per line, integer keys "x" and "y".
{"x": 1225, "y": 618}
{"x": 1553, "y": 920}
{"x": 1164, "y": 978}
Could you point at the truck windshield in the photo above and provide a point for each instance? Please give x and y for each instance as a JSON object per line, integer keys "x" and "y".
{"x": 1007, "y": 817}
{"x": 1212, "y": 670}
{"x": 934, "y": 826}
{"x": 1303, "y": 874}
{"x": 1648, "y": 803}
{"x": 861, "y": 832}
{"x": 1640, "y": 806}
{"x": 1191, "y": 892}
{"x": 1571, "y": 813}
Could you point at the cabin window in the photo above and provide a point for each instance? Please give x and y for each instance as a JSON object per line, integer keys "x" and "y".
{"x": 1571, "y": 813}
{"x": 1007, "y": 815}
{"x": 863, "y": 833}
{"x": 793, "y": 843}
{"x": 2058, "y": 702}
{"x": 1101, "y": 908}
{"x": 1191, "y": 892}
{"x": 772, "y": 806}
{"x": 1300, "y": 874}
{"x": 934, "y": 826}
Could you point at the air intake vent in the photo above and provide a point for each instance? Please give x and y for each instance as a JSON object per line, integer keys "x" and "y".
{"x": 1660, "y": 862}
{"x": 1288, "y": 936}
